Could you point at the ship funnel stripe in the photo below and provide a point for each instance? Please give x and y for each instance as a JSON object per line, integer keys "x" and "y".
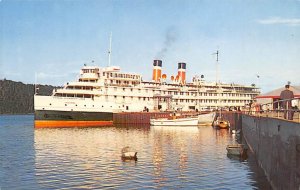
{"x": 157, "y": 67}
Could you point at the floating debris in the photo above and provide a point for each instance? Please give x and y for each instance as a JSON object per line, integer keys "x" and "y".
{"x": 236, "y": 149}
{"x": 128, "y": 153}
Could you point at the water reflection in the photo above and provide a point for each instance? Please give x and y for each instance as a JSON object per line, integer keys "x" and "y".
{"x": 171, "y": 157}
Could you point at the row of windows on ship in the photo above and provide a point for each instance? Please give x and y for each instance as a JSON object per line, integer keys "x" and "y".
{"x": 161, "y": 92}
{"x": 110, "y": 74}
{"x": 122, "y": 75}
{"x": 150, "y": 85}
{"x": 151, "y": 99}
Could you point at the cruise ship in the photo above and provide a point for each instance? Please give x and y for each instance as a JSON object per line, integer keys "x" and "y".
{"x": 99, "y": 92}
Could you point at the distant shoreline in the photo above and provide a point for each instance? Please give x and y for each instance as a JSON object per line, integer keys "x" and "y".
{"x": 4, "y": 114}
{"x": 16, "y": 98}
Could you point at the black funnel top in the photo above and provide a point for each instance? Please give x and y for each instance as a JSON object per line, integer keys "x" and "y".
{"x": 157, "y": 63}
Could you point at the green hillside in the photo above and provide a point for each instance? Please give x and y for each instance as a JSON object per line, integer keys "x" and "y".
{"x": 17, "y": 97}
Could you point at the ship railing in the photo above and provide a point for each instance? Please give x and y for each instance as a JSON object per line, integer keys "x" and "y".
{"x": 288, "y": 109}
{"x": 73, "y": 98}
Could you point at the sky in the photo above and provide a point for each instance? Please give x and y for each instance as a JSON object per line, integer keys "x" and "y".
{"x": 48, "y": 41}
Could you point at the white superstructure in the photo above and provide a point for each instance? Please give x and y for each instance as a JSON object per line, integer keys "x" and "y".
{"x": 110, "y": 90}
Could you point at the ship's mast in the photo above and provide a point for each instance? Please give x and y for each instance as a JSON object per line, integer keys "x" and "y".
{"x": 109, "y": 51}
{"x": 217, "y": 79}
{"x": 217, "y": 66}
{"x": 35, "y": 83}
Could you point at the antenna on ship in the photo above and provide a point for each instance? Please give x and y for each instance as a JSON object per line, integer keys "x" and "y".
{"x": 217, "y": 78}
{"x": 217, "y": 66}
{"x": 109, "y": 51}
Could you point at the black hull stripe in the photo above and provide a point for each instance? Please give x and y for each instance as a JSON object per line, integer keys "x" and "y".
{"x": 73, "y": 116}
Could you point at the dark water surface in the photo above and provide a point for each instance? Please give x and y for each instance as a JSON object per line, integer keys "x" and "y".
{"x": 89, "y": 158}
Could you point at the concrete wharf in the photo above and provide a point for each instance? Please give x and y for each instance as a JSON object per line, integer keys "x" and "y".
{"x": 274, "y": 140}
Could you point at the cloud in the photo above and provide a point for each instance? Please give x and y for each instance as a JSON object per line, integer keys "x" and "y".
{"x": 282, "y": 21}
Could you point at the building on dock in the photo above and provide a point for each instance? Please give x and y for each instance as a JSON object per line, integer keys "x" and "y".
{"x": 273, "y": 97}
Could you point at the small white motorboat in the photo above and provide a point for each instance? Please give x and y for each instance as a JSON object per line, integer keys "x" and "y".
{"x": 189, "y": 121}
{"x": 128, "y": 153}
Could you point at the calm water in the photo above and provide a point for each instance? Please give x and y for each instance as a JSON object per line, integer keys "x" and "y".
{"x": 173, "y": 158}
